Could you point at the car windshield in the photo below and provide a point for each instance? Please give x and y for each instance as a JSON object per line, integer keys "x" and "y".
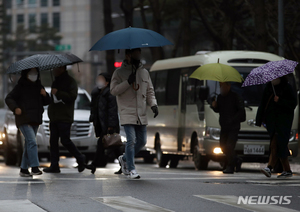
{"x": 82, "y": 102}
{"x": 251, "y": 94}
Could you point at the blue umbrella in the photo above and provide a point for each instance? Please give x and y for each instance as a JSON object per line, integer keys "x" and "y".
{"x": 130, "y": 38}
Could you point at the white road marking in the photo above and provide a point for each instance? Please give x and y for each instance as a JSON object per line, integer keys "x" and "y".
{"x": 233, "y": 200}
{"x": 19, "y": 205}
{"x": 129, "y": 204}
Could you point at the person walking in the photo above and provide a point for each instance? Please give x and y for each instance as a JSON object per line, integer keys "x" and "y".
{"x": 26, "y": 101}
{"x": 61, "y": 115}
{"x": 132, "y": 86}
{"x": 276, "y": 113}
{"x": 232, "y": 112}
{"x": 104, "y": 115}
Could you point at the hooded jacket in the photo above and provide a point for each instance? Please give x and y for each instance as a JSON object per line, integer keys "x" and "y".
{"x": 132, "y": 104}
{"x": 26, "y": 95}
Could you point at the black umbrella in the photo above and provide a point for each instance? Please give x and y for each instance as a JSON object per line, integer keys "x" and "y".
{"x": 43, "y": 62}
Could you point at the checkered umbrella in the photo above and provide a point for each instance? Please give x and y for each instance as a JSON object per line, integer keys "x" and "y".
{"x": 41, "y": 61}
{"x": 73, "y": 58}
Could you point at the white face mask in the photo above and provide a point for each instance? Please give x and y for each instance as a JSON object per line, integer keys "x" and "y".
{"x": 100, "y": 84}
{"x": 33, "y": 78}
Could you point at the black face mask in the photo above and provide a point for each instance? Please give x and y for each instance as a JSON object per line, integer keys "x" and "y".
{"x": 135, "y": 62}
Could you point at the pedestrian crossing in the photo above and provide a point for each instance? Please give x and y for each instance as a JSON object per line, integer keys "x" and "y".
{"x": 19, "y": 205}
{"x": 129, "y": 204}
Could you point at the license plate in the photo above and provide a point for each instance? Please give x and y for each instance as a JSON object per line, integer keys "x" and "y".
{"x": 254, "y": 149}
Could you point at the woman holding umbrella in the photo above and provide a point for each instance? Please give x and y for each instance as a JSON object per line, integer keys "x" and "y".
{"x": 26, "y": 101}
{"x": 276, "y": 113}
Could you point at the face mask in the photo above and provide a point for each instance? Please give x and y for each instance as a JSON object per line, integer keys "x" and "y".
{"x": 33, "y": 78}
{"x": 100, "y": 84}
{"x": 276, "y": 81}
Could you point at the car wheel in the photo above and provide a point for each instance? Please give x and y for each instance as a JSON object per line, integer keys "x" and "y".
{"x": 148, "y": 159}
{"x": 200, "y": 161}
{"x": 174, "y": 162}
{"x": 10, "y": 158}
{"x": 162, "y": 159}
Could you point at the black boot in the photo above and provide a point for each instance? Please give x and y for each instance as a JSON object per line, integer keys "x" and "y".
{"x": 228, "y": 170}
{"x": 91, "y": 167}
{"x": 52, "y": 169}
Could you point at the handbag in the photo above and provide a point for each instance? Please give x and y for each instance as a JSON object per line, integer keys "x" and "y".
{"x": 112, "y": 140}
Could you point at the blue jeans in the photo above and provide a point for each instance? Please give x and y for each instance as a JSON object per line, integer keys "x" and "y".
{"x": 136, "y": 136}
{"x": 30, "y": 154}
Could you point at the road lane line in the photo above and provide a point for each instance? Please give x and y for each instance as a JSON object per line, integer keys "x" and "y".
{"x": 233, "y": 200}
{"x": 129, "y": 204}
{"x": 19, "y": 205}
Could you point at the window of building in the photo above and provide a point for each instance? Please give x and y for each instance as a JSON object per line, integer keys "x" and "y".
{"x": 56, "y": 21}
{"x": 44, "y": 18}
{"x": 44, "y": 3}
{"x": 56, "y": 2}
{"x": 8, "y": 4}
{"x": 32, "y": 22}
{"x": 20, "y": 3}
{"x": 32, "y": 3}
{"x": 20, "y": 19}
{"x": 8, "y": 23}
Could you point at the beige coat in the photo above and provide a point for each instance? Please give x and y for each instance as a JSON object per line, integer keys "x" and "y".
{"x": 132, "y": 104}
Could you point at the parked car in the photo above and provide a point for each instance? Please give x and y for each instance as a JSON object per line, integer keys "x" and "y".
{"x": 82, "y": 133}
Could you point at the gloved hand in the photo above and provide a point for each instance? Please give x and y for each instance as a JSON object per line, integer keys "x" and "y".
{"x": 131, "y": 78}
{"x": 155, "y": 110}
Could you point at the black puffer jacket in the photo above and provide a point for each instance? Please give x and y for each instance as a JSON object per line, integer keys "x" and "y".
{"x": 104, "y": 111}
{"x": 26, "y": 96}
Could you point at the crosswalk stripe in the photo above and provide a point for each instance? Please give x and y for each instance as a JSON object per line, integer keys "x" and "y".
{"x": 129, "y": 204}
{"x": 19, "y": 205}
{"x": 233, "y": 201}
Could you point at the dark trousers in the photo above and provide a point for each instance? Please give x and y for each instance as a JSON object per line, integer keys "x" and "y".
{"x": 62, "y": 131}
{"x": 228, "y": 139}
{"x": 99, "y": 159}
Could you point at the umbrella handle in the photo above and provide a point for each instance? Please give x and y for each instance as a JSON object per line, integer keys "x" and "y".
{"x": 273, "y": 89}
{"x": 135, "y": 88}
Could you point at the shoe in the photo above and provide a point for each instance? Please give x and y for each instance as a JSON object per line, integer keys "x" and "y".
{"x": 228, "y": 170}
{"x": 52, "y": 170}
{"x": 266, "y": 171}
{"x": 81, "y": 166}
{"x": 36, "y": 171}
{"x": 25, "y": 173}
{"x": 91, "y": 167}
{"x": 123, "y": 165}
{"x": 238, "y": 165}
{"x": 119, "y": 172}
{"x": 134, "y": 175}
{"x": 285, "y": 174}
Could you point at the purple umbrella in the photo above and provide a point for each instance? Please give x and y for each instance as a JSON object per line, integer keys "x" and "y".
{"x": 270, "y": 71}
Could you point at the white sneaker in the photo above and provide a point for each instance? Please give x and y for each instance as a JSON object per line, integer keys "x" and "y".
{"x": 123, "y": 165}
{"x": 134, "y": 175}
{"x": 266, "y": 171}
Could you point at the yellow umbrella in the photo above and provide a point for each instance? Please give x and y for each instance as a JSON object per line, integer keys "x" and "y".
{"x": 217, "y": 72}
